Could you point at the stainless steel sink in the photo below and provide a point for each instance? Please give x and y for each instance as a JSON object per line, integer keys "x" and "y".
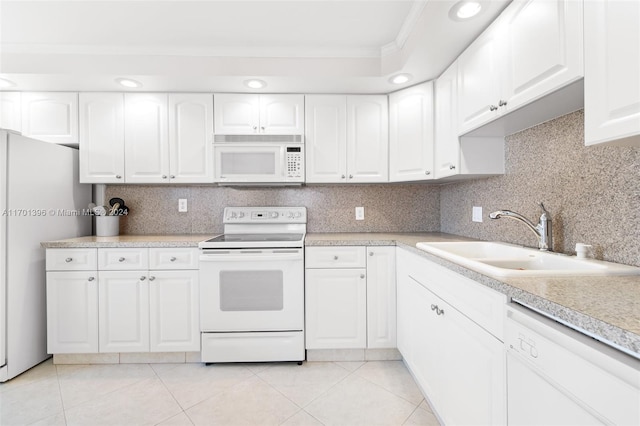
{"x": 508, "y": 260}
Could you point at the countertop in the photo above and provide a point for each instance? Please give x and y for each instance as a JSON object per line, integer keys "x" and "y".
{"x": 608, "y": 308}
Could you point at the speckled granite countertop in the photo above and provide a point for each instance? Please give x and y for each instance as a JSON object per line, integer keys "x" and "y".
{"x": 190, "y": 240}
{"x": 606, "y": 307}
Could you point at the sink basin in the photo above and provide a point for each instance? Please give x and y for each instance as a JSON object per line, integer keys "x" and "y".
{"x": 508, "y": 260}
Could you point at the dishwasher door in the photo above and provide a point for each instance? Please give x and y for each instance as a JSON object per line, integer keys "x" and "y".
{"x": 558, "y": 376}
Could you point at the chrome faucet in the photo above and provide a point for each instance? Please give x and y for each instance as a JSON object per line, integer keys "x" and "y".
{"x": 542, "y": 229}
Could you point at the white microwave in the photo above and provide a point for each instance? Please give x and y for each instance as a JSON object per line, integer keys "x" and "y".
{"x": 258, "y": 159}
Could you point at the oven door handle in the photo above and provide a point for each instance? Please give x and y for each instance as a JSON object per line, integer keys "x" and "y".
{"x": 252, "y": 255}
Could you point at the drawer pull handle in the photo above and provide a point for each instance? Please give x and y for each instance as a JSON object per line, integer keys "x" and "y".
{"x": 91, "y": 278}
{"x": 68, "y": 259}
{"x": 143, "y": 278}
{"x": 438, "y": 310}
{"x": 152, "y": 278}
{"x": 173, "y": 259}
{"x": 121, "y": 259}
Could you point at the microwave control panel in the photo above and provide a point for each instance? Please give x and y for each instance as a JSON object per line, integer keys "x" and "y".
{"x": 294, "y": 162}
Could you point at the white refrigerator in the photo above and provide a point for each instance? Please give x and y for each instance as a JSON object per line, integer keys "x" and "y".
{"x": 41, "y": 199}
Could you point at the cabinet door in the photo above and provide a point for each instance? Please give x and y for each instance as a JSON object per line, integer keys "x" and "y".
{"x": 479, "y": 74}
{"x": 282, "y": 114}
{"x": 124, "y": 311}
{"x": 10, "y": 111}
{"x": 543, "y": 47}
{"x": 367, "y": 138}
{"x": 411, "y": 134}
{"x": 381, "y": 297}
{"x": 174, "y": 312}
{"x": 612, "y": 67}
{"x": 50, "y": 116}
{"x": 101, "y": 138}
{"x": 447, "y": 142}
{"x": 146, "y": 138}
{"x": 336, "y": 308}
{"x": 236, "y": 114}
{"x": 191, "y": 138}
{"x": 72, "y": 312}
{"x": 326, "y": 138}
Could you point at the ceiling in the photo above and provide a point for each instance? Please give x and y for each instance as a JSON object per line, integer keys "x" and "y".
{"x": 306, "y": 46}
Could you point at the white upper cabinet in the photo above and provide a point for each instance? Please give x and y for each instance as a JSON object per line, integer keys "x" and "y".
{"x": 190, "y": 138}
{"x": 411, "y": 133}
{"x": 101, "y": 138}
{"x": 367, "y": 138}
{"x": 544, "y": 45}
{"x": 533, "y": 49}
{"x": 326, "y": 138}
{"x": 247, "y": 114}
{"x": 480, "y": 72}
{"x": 447, "y": 144}
{"x": 146, "y": 138}
{"x": 282, "y": 114}
{"x": 10, "y": 111}
{"x": 612, "y": 72}
{"x": 347, "y": 138}
{"x": 50, "y": 116}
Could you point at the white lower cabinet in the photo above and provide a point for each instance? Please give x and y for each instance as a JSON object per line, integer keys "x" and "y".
{"x": 350, "y": 297}
{"x": 123, "y": 300}
{"x": 72, "y": 312}
{"x": 459, "y": 365}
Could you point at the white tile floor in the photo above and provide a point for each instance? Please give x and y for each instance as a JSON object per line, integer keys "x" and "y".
{"x": 316, "y": 393}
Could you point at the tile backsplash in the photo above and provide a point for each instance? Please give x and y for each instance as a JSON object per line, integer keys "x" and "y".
{"x": 330, "y": 208}
{"x": 592, "y": 194}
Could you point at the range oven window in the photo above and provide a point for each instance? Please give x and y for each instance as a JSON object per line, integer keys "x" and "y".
{"x": 251, "y": 290}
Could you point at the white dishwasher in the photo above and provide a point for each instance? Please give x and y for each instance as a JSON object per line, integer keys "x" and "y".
{"x": 558, "y": 376}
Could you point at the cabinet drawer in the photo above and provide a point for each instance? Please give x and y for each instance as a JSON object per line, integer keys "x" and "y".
{"x": 336, "y": 257}
{"x": 71, "y": 259}
{"x": 173, "y": 258}
{"x": 123, "y": 259}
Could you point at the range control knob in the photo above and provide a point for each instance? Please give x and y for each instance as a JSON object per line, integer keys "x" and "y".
{"x": 233, "y": 215}
{"x": 297, "y": 215}
{"x": 274, "y": 215}
{"x": 241, "y": 215}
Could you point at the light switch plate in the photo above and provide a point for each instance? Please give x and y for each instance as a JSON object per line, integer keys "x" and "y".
{"x": 182, "y": 205}
{"x": 359, "y": 213}
{"x": 476, "y": 214}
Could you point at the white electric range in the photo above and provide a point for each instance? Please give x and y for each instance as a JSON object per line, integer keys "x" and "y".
{"x": 252, "y": 286}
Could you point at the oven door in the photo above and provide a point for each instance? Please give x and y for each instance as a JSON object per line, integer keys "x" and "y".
{"x": 251, "y": 290}
{"x": 258, "y": 163}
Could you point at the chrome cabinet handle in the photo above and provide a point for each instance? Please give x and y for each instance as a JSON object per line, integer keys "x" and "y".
{"x": 152, "y": 278}
{"x": 452, "y": 167}
{"x": 255, "y": 127}
{"x": 361, "y": 275}
{"x": 172, "y": 176}
{"x": 68, "y": 259}
{"x": 122, "y": 259}
{"x": 143, "y": 278}
{"x": 370, "y": 253}
{"x": 343, "y": 177}
{"x": 427, "y": 172}
{"x": 164, "y": 176}
{"x": 91, "y": 278}
{"x": 350, "y": 176}
{"x": 118, "y": 177}
{"x": 335, "y": 257}
{"x": 262, "y": 128}
{"x": 173, "y": 259}
{"x": 438, "y": 310}
{"x": 502, "y": 103}
{"x": 492, "y": 107}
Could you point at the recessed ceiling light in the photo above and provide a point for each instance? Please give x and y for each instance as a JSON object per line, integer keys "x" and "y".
{"x": 255, "y": 84}
{"x": 400, "y": 78}
{"x": 464, "y": 10}
{"x": 4, "y": 83}
{"x": 127, "y": 82}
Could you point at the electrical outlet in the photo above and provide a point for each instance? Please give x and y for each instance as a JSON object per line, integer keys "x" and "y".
{"x": 359, "y": 213}
{"x": 182, "y": 205}
{"x": 476, "y": 214}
